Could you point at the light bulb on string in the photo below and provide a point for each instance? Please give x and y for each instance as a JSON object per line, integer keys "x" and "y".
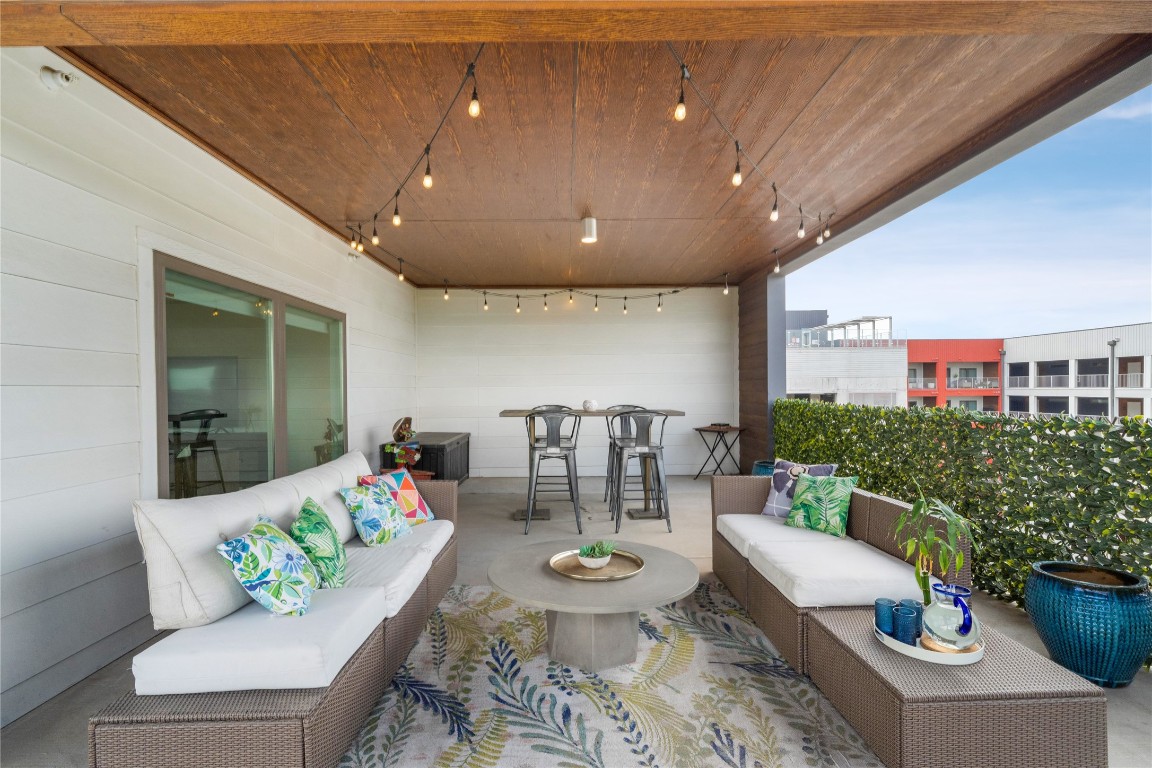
{"x": 820, "y": 229}
{"x": 400, "y": 276}
{"x": 681, "y": 111}
{"x": 396, "y": 211}
{"x": 776, "y": 269}
{"x": 485, "y": 301}
{"x": 445, "y": 290}
{"x": 517, "y": 303}
{"x": 659, "y": 302}
{"x": 800, "y": 232}
{"x": 352, "y": 240}
{"x": 737, "y": 177}
{"x": 828, "y": 227}
{"x": 428, "y": 167}
{"x": 545, "y": 302}
{"x": 375, "y": 237}
{"x": 625, "y": 305}
{"x": 775, "y": 215}
{"x": 596, "y": 308}
{"x": 725, "y": 283}
{"x": 569, "y": 295}
{"x": 359, "y": 239}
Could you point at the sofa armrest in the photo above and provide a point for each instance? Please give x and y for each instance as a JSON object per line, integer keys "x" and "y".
{"x": 441, "y": 497}
{"x": 882, "y": 515}
{"x": 739, "y": 494}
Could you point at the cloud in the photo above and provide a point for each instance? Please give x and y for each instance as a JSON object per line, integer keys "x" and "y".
{"x": 1127, "y": 110}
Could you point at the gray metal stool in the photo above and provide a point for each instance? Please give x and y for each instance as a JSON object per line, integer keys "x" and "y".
{"x": 647, "y": 445}
{"x": 559, "y": 442}
{"x": 624, "y": 430}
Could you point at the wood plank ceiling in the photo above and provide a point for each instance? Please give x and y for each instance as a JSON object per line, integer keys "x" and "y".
{"x": 844, "y": 124}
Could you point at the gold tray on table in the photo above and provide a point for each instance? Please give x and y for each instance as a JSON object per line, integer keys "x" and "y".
{"x": 623, "y": 565}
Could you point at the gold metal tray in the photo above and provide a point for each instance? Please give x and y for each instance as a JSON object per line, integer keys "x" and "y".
{"x": 623, "y": 565}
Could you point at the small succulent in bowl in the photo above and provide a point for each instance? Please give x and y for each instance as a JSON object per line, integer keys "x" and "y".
{"x": 596, "y": 555}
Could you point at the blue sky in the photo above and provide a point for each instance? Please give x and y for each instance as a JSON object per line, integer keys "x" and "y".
{"x": 1057, "y": 238}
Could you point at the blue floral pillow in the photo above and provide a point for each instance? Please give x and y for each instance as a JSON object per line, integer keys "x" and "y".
{"x": 376, "y": 515}
{"x": 272, "y": 568}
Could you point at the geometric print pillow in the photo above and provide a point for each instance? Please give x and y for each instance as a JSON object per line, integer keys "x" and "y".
{"x": 784, "y": 477}
{"x": 403, "y": 489}
{"x": 272, "y": 568}
{"x": 315, "y": 534}
{"x": 375, "y": 514}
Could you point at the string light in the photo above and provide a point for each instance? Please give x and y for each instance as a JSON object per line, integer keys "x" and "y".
{"x": 776, "y": 269}
{"x": 681, "y": 111}
{"x": 396, "y": 211}
{"x": 800, "y": 232}
{"x": 375, "y": 237}
{"x": 445, "y": 290}
{"x": 625, "y": 305}
{"x": 485, "y": 301}
{"x": 659, "y": 302}
{"x": 737, "y": 177}
{"x": 428, "y": 167}
{"x": 545, "y": 302}
{"x": 569, "y": 295}
{"x": 828, "y": 227}
{"x": 775, "y": 215}
{"x": 820, "y": 229}
{"x": 725, "y": 283}
{"x": 474, "y": 104}
{"x": 596, "y": 308}
{"x": 352, "y": 240}
{"x": 517, "y": 303}
{"x": 400, "y": 276}
{"x": 359, "y": 239}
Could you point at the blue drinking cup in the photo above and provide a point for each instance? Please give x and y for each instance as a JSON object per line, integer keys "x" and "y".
{"x": 917, "y": 606}
{"x": 884, "y": 606}
{"x": 904, "y": 621}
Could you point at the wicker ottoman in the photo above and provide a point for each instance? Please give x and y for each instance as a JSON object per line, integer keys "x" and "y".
{"x": 1014, "y": 708}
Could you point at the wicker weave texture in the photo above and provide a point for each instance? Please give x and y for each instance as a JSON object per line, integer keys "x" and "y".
{"x": 882, "y": 515}
{"x": 739, "y": 494}
{"x": 442, "y": 575}
{"x": 780, "y": 621}
{"x": 267, "y": 744}
{"x": 441, "y": 496}
{"x": 730, "y": 567}
{"x": 858, "y": 514}
{"x": 402, "y": 630}
{"x": 1014, "y": 708}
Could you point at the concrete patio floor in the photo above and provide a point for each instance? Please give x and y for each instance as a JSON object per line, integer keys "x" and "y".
{"x": 55, "y": 734}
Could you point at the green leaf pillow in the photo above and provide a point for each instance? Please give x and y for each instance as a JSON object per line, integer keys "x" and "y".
{"x": 272, "y": 568}
{"x": 821, "y": 504}
{"x": 376, "y": 515}
{"x": 316, "y": 535}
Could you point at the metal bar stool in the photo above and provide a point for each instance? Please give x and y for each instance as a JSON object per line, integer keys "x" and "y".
{"x": 647, "y": 445}
{"x": 559, "y": 442}
{"x": 624, "y": 428}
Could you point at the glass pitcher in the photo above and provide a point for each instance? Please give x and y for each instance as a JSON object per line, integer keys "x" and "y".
{"x": 948, "y": 621}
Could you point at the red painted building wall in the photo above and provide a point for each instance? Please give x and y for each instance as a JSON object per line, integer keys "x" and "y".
{"x": 937, "y": 354}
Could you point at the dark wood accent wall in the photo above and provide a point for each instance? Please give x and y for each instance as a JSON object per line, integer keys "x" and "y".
{"x": 753, "y": 362}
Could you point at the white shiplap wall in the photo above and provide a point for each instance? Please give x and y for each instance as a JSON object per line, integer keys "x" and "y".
{"x": 88, "y": 187}
{"x": 473, "y": 364}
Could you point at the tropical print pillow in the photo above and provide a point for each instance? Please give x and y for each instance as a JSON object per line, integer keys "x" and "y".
{"x": 402, "y": 488}
{"x": 375, "y": 514}
{"x": 272, "y": 568}
{"x": 784, "y": 477}
{"x": 821, "y": 504}
{"x": 316, "y": 535}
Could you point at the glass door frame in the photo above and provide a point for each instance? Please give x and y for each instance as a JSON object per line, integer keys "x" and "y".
{"x": 161, "y": 263}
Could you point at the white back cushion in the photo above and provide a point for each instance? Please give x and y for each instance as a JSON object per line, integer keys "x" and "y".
{"x": 189, "y": 584}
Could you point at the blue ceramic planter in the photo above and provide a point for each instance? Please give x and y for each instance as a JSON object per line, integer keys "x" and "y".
{"x": 1094, "y": 621}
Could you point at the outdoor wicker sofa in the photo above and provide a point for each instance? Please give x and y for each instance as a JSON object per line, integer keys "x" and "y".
{"x": 870, "y": 520}
{"x": 284, "y": 726}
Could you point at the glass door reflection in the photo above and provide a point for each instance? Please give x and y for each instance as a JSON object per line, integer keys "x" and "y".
{"x": 314, "y": 388}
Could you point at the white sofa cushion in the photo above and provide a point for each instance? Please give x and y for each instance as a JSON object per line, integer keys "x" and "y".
{"x": 399, "y": 566}
{"x": 189, "y": 585}
{"x": 254, "y": 649}
{"x": 742, "y": 530}
{"x": 832, "y": 571}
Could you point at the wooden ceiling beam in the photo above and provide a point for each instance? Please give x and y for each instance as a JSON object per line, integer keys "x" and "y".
{"x": 254, "y": 22}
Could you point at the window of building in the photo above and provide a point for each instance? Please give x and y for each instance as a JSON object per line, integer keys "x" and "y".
{"x": 251, "y": 382}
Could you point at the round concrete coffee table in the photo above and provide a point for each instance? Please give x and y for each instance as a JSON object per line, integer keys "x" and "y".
{"x": 592, "y": 625}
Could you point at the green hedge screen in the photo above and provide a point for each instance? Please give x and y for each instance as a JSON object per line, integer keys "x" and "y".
{"x": 1035, "y": 489}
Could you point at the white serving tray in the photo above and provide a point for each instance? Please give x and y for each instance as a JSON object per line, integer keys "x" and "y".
{"x": 935, "y": 657}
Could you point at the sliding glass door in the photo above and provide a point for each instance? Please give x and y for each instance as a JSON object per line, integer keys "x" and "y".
{"x": 251, "y": 382}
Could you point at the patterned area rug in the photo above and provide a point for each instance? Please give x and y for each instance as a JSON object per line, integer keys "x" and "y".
{"x": 707, "y": 689}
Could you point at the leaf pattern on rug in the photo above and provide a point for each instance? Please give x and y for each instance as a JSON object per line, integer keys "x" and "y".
{"x": 706, "y": 689}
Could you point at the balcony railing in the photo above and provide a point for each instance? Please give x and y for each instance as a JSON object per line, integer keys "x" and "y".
{"x": 1092, "y": 380}
{"x": 1130, "y": 380}
{"x": 974, "y": 383}
{"x": 921, "y": 383}
{"x": 1052, "y": 381}
{"x": 1017, "y": 381}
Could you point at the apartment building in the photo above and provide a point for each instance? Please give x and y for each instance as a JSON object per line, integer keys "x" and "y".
{"x": 955, "y": 373}
{"x": 857, "y": 361}
{"x": 1092, "y": 372}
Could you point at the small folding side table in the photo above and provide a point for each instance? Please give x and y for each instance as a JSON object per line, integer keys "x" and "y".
{"x": 721, "y": 443}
